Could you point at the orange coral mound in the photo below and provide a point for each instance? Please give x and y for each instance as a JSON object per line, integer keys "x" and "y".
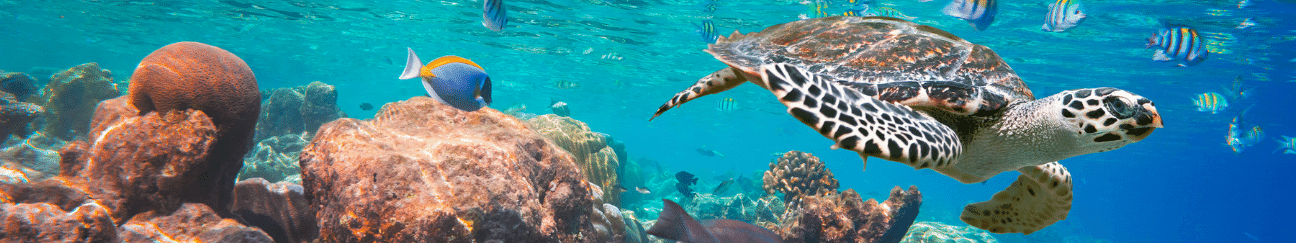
{"x": 192, "y": 75}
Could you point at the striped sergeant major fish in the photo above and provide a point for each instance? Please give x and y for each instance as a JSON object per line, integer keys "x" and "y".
{"x": 493, "y": 15}
{"x": 1063, "y": 15}
{"x": 978, "y": 13}
{"x": 1178, "y": 43}
{"x": 707, "y": 31}
{"x": 1210, "y": 102}
{"x": 1287, "y": 145}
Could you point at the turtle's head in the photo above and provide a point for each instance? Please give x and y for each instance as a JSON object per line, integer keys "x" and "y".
{"x": 1108, "y": 117}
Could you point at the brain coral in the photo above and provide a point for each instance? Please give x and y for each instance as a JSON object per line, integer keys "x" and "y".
{"x": 192, "y": 75}
{"x": 798, "y": 173}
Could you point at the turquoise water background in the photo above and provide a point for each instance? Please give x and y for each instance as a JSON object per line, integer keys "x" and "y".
{"x": 628, "y": 57}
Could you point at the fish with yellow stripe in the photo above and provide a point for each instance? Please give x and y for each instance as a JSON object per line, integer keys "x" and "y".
{"x": 978, "y": 13}
{"x": 1063, "y": 15}
{"x": 727, "y": 104}
{"x": 1287, "y": 145}
{"x": 451, "y": 80}
{"x": 1177, "y": 42}
{"x": 1210, "y": 102}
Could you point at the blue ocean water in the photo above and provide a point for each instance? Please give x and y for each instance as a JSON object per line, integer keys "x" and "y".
{"x": 627, "y": 57}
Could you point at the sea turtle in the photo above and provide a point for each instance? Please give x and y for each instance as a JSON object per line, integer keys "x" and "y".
{"x": 910, "y": 93}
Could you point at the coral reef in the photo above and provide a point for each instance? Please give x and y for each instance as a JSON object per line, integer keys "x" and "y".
{"x": 70, "y": 98}
{"x": 609, "y": 224}
{"x": 50, "y": 211}
{"x": 20, "y": 85}
{"x": 192, "y": 222}
{"x": 15, "y": 116}
{"x": 764, "y": 212}
{"x": 297, "y": 110}
{"x": 151, "y": 162}
{"x": 425, "y": 171}
{"x": 799, "y": 174}
{"x": 936, "y": 232}
{"x": 597, "y": 161}
{"x": 37, "y": 155}
{"x": 195, "y": 76}
{"x": 279, "y": 209}
{"x": 845, "y": 217}
{"x": 275, "y": 158}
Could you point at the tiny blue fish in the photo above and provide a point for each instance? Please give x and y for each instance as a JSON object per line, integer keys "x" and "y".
{"x": 1063, "y": 15}
{"x": 978, "y": 13}
{"x": 451, "y": 80}
{"x": 707, "y": 31}
{"x": 493, "y": 15}
{"x": 1210, "y": 102}
{"x": 1178, "y": 43}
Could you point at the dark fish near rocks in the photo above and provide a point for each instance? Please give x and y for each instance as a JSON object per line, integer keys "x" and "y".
{"x": 724, "y": 186}
{"x": 675, "y": 224}
{"x": 685, "y": 180}
{"x": 685, "y": 177}
{"x": 366, "y": 106}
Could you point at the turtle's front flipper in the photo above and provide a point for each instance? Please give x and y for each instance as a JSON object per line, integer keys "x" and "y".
{"x": 1040, "y": 197}
{"x": 717, "y": 82}
{"x": 862, "y": 123}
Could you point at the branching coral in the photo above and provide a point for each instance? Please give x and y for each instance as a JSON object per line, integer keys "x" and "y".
{"x": 798, "y": 173}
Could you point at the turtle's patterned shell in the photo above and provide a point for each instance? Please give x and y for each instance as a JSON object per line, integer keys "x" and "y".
{"x": 888, "y": 58}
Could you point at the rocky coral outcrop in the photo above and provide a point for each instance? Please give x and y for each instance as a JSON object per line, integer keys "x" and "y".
{"x": 16, "y": 116}
{"x": 187, "y": 76}
{"x": 70, "y": 97}
{"x": 21, "y": 85}
{"x": 297, "y": 110}
{"x": 279, "y": 209}
{"x": 192, "y": 222}
{"x": 936, "y": 232}
{"x": 275, "y": 158}
{"x": 845, "y": 217}
{"x": 152, "y": 162}
{"x": 37, "y": 155}
{"x": 764, "y": 212}
{"x": 798, "y": 173}
{"x": 424, "y": 171}
{"x": 597, "y": 161}
{"x": 52, "y": 211}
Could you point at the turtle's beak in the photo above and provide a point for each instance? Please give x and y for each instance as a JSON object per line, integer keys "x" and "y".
{"x": 1148, "y": 120}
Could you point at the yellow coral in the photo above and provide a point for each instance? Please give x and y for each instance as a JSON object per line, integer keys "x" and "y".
{"x": 598, "y": 162}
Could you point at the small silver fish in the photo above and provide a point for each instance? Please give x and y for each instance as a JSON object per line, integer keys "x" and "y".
{"x": 493, "y": 15}
{"x": 642, "y": 190}
{"x": 978, "y": 13}
{"x": 1063, "y": 15}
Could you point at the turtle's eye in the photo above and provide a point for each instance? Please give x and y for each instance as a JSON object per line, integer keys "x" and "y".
{"x": 1119, "y": 106}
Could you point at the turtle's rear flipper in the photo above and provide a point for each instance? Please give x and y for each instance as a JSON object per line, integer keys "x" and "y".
{"x": 862, "y": 123}
{"x": 1040, "y": 197}
{"x": 717, "y": 82}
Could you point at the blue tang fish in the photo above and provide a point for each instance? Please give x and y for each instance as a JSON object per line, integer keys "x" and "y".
{"x": 675, "y": 224}
{"x": 978, "y": 13}
{"x": 493, "y": 14}
{"x": 1063, "y": 15}
{"x": 452, "y": 80}
{"x": 1178, "y": 43}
